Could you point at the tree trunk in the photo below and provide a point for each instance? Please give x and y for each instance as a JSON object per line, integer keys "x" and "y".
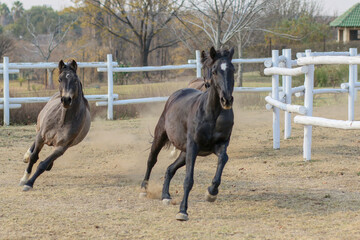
{"x": 218, "y": 44}
{"x": 144, "y": 61}
{"x": 50, "y": 81}
{"x": 241, "y": 66}
{"x": 144, "y": 57}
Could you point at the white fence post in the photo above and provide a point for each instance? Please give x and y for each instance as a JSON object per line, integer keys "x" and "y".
{"x": 198, "y": 64}
{"x": 6, "y": 91}
{"x": 275, "y": 96}
{"x": 352, "y": 80}
{"x": 110, "y": 114}
{"x": 288, "y": 94}
{"x": 308, "y": 103}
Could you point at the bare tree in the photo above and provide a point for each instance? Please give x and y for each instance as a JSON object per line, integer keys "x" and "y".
{"x": 221, "y": 20}
{"x": 136, "y": 22}
{"x": 46, "y": 43}
{"x": 290, "y": 9}
{"x": 6, "y": 45}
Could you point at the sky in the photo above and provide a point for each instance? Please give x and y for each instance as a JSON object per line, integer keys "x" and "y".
{"x": 55, "y": 4}
{"x": 337, "y": 6}
{"x": 331, "y": 7}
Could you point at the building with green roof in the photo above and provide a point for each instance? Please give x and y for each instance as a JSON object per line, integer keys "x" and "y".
{"x": 348, "y": 24}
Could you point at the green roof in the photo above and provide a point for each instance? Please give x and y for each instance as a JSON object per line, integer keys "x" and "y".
{"x": 351, "y": 18}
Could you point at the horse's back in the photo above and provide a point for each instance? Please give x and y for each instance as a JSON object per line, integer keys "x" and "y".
{"x": 183, "y": 96}
{"x": 197, "y": 83}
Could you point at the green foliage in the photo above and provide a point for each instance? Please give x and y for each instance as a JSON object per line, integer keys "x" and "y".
{"x": 121, "y": 78}
{"x": 304, "y": 29}
{"x": 326, "y": 76}
{"x": 41, "y": 20}
{"x": 321, "y": 77}
{"x": 21, "y": 80}
{"x": 330, "y": 76}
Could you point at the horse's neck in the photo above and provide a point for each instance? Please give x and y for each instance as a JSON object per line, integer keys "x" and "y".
{"x": 212, "y": 106}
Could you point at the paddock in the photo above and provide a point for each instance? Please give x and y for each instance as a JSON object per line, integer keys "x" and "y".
{"x": 92, "y": 193}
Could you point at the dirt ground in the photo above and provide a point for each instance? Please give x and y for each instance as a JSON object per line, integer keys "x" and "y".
{"x": 92, "y": 190}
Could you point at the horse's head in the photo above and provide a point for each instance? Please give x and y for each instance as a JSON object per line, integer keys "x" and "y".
{"x": 69, "y": 83}
{"x": 221, "y": 74}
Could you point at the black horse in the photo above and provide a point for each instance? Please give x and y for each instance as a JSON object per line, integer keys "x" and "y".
{"x": 198, "y": 124}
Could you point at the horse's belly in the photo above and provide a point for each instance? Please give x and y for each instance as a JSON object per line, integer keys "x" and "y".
{"x": 84, "y": 131}
{"x": 176, "y": 135}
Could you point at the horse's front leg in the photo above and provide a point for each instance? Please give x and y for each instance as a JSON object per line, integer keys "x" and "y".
{"x": 44, "y": 165}
{"x": 213, "y": 190}
{"x": 191, "y": 153}
{"x": 31, "y": 156}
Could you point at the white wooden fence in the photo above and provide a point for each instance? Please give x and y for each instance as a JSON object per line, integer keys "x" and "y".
{"x": 280, "y": 98}
{"x": 7, "y": 103}
{"x": 110, "y": 99}
{"x": 306, "y": 61}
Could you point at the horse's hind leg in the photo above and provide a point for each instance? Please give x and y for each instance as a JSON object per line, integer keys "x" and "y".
{"x": 160, "y": 139}
{"x": 44, "y": 165}
{"x": 222, "y": 160}
{"x": 170, "y": 172}
{"x": 32, "y": 158}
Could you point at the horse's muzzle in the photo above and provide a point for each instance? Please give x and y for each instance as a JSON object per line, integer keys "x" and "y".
{"x": 226, "y": 102}
{"x": 66, "y": 101}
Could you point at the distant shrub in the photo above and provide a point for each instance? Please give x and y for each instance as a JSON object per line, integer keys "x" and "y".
{"x": 331, "y": 76}
{"x": 121, "y": 78}
{"x": 326, "y": 76}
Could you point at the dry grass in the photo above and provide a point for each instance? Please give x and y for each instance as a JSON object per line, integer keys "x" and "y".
{"x": 92, "y": 191}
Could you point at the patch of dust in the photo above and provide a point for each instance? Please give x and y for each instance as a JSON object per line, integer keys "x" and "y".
{"x": 154, "y": 190}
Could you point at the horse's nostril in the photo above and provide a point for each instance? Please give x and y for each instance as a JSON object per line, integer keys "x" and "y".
{"x": 66, "y": 101}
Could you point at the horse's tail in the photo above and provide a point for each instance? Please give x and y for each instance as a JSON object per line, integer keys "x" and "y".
{"x": 167, "y": 143}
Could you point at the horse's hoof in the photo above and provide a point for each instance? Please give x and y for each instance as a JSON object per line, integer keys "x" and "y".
{"x": 27, "y": 156}
{"x": 166, "y": 201}
{"x": 209, "y": 197}
{"x": 142, "y": 195}
{"x": 24, "y": 179}
{"x": 27, "y": 188}
{"x": 182, "y": 216}
{"x": 22, "y": 183}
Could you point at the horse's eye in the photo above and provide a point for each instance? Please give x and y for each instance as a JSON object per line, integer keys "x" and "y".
{"x": 59, "y": 79}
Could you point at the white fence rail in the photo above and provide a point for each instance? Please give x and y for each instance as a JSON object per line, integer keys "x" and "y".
{"x": 7, "y": 68}
{"x": 109, "y": 100}
{"x": 309, "y": 60}
{"x": 280, "y": 98}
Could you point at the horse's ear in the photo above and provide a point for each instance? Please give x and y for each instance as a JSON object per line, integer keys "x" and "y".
{"x": 61, "y": 65}
{"x": 231, "y": 53}
{"x": 73, "y": 65}
{"x": 212, "y": 53}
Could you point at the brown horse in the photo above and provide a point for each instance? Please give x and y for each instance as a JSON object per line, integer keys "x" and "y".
{"x": 62, "y": 123}
{"x": 198, "y": 124}
{"x": 200, "y": 84}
